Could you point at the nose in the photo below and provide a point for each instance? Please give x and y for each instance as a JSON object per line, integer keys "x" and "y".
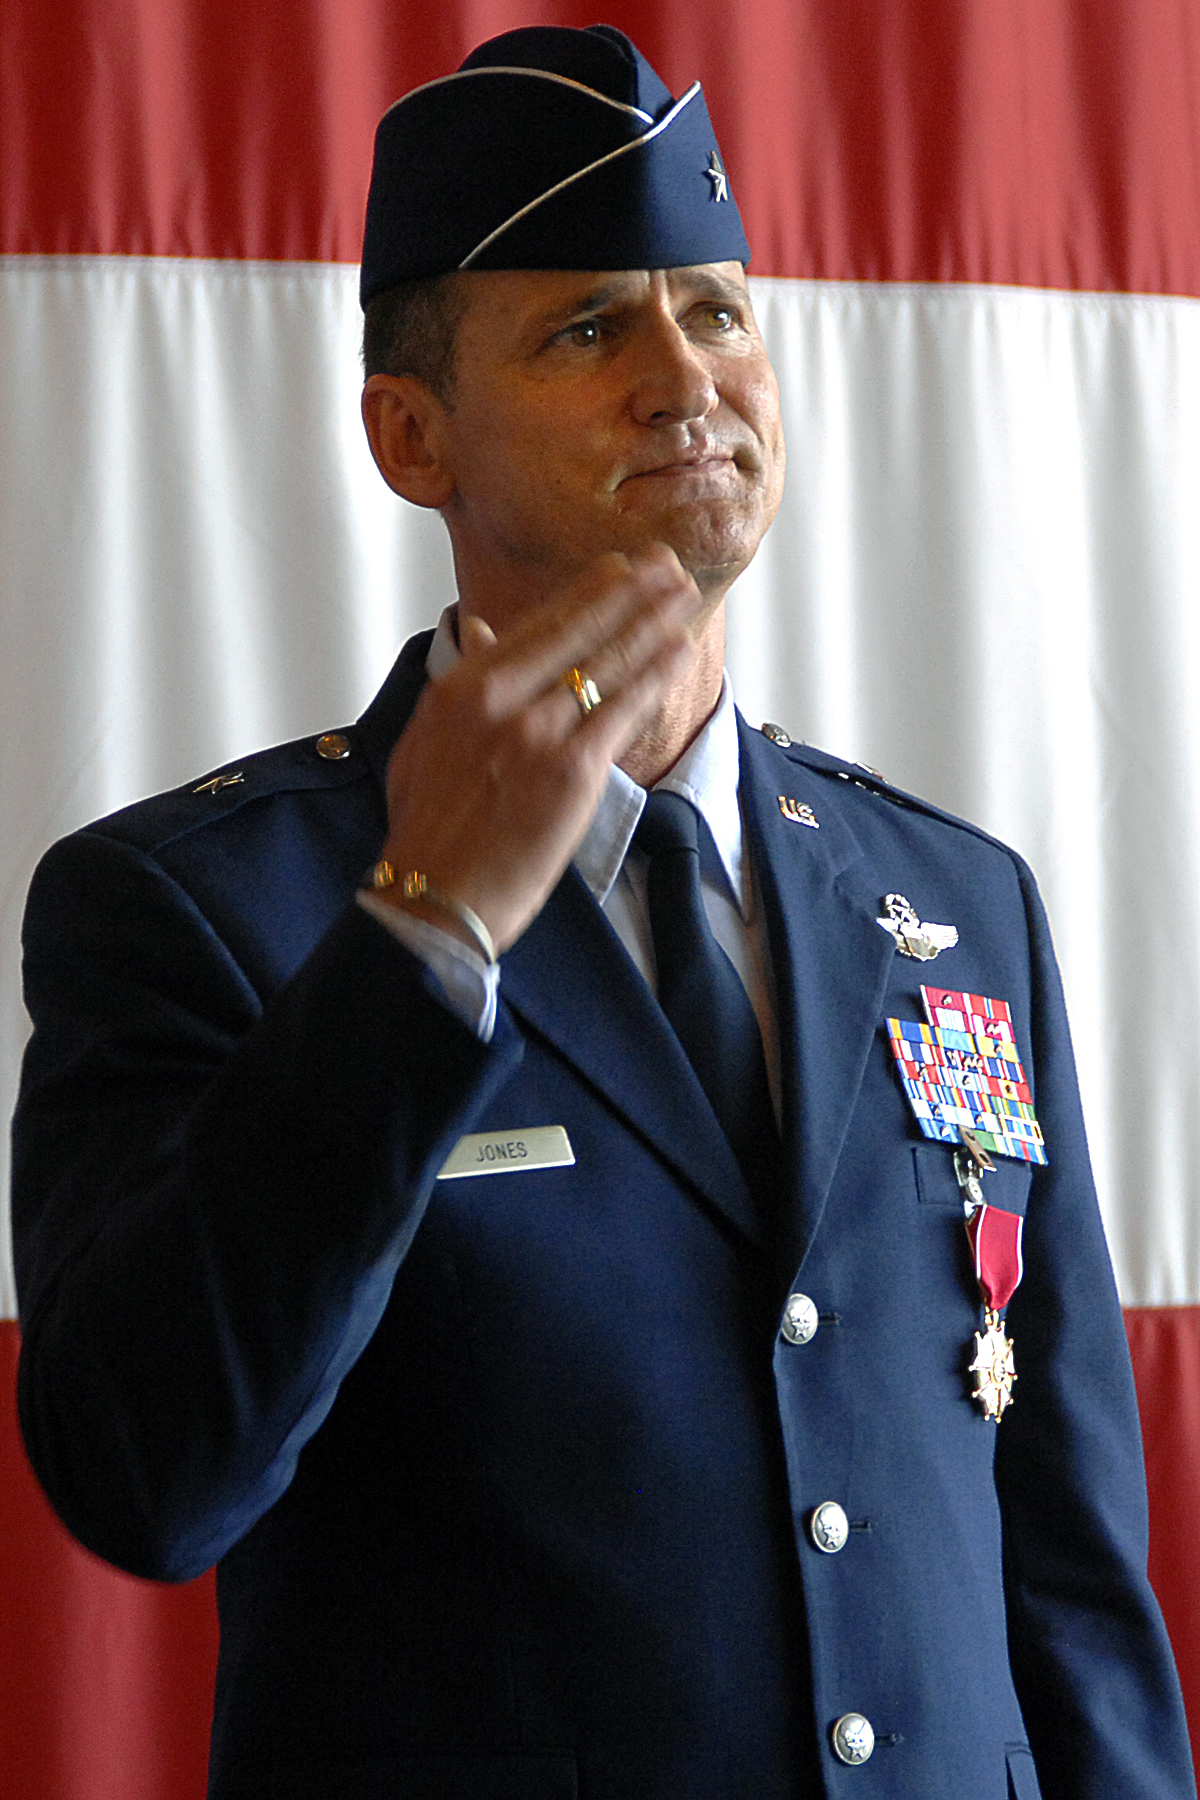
{"x": 673, "y": 383}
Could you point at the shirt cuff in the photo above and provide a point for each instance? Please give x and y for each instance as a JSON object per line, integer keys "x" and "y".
{"x": 471, "y": 985}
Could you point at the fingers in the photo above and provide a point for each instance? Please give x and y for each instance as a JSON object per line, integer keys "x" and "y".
{"x": 625, "y": 624}
{"x": 609, "y": 622}
{"x": 662, "y": 621}
{"x": 476, "y": 636}
{"x": 631, "y": 704}
{"x": 494, "y": 781}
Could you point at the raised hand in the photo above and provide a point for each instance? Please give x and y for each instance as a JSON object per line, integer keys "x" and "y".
{"x": 496, "y": 778}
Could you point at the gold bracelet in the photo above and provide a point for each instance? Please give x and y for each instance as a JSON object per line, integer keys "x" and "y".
{"x": 416, "y": 887}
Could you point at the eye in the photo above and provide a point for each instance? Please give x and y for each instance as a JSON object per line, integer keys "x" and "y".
{"x": 719, "y": 318}
{"x": 582, "y": 334}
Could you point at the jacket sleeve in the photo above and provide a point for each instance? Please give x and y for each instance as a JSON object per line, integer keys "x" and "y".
{"x": 212, "y": 1192}
{"x": 1088, "y": 1650}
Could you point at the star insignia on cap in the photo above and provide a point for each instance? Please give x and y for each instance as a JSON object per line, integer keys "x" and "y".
{"x": 718, "y": 177}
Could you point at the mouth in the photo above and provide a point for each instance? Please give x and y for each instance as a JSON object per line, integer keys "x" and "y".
{"x": 692, "y": 465}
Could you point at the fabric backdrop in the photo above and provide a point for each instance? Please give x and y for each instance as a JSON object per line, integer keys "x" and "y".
{"x": 976, "y": 227}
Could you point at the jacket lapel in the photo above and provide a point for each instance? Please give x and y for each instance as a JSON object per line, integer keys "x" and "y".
{"x": 569, "y": 979}
{"x": 831, "y": 963}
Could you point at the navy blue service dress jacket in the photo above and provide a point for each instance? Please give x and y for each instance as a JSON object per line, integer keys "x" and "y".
{"x": 509, "y": 1479}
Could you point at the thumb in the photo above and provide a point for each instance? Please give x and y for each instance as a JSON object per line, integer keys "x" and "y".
{"x": 474, "y": 635}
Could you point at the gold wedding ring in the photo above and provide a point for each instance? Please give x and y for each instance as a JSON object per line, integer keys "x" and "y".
{"x": 584, "y": 690}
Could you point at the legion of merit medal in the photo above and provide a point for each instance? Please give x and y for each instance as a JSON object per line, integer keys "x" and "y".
{"x": 993, "y": 1368}
{"x": 995, "y": 1238}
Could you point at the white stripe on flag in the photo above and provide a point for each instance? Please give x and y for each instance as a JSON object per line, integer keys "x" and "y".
{"x": 983, "y": 581}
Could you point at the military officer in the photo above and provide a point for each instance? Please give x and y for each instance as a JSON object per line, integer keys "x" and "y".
{"x": 521, "y": 1269}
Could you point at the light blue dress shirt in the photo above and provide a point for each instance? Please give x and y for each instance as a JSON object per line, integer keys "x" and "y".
{"x": 615, "y": 871}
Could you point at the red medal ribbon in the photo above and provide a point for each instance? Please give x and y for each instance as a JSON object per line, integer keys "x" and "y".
{"x": 996, "y": 1243}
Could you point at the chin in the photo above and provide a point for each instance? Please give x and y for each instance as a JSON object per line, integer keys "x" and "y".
{"x": 713, "y": 556}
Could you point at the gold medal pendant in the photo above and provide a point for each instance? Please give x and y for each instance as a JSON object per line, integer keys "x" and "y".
{"x": 993, "y": 1368}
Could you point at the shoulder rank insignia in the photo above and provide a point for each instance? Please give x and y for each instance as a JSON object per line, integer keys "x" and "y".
{"x": 218, "y": 782}
{"x": 913, "y": 937}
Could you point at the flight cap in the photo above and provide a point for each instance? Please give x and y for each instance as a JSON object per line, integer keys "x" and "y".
{"x": 549, "y": 148}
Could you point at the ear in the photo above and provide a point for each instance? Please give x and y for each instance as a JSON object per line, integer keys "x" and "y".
{"x": 404, "y": 421}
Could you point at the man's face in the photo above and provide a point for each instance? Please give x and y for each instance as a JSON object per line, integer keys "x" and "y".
{"x": 597, "y": 412}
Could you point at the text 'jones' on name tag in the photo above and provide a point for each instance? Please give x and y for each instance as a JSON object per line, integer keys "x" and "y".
{"x": 504, "y": 1152}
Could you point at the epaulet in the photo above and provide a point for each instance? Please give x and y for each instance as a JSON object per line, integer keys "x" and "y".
{"x": 329, "y": 760}
{"x": 862, "y": 775}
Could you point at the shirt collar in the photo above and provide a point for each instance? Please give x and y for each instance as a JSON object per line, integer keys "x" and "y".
{"x": 444, "y": 651}
{"x": 706, "y": 774}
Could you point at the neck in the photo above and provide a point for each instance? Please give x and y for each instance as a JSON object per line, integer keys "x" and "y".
{"x": 686, "y": 709}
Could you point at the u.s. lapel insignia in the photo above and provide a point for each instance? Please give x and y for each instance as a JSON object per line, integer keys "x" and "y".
{"x": 913, "y": 936}
{"x": 718, "y": 177}
{"x": 798, "y": 813}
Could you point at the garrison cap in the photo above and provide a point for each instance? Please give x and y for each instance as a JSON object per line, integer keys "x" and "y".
{"x": 549, "y": 148}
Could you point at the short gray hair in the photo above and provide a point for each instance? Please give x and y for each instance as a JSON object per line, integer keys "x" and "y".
{"x": 411, "y": 329}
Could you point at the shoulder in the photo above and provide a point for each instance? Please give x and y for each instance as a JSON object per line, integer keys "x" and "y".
{"x": 326, "y": 762}
{"x": 868, "y": 801}
{"x": 280, "y": 838}
{"x": 232, "y": 877}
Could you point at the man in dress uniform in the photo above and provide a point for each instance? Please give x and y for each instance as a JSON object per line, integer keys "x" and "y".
{"x": 505, "y": 1181}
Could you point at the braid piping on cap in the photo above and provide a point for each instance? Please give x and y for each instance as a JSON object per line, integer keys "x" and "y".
{"x": 580, "y": 87}
{"x": 621, "y": 150}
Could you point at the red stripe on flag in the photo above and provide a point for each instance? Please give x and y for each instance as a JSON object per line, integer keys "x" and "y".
{"x": 107, "y": 1681}
{"x": 1165, "y": 1345}
{"x": 1053, "y": 146}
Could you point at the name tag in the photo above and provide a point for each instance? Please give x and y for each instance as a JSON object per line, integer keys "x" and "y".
{"x": 504, "y": 1152}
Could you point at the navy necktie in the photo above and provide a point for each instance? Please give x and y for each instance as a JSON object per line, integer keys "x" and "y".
{"x": 701, "y": 992}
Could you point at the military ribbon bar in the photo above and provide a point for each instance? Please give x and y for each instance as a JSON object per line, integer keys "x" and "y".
{"x": 963, "y": 1070}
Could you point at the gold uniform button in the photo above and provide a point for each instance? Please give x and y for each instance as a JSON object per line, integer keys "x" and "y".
{"x": 333, "y": 746}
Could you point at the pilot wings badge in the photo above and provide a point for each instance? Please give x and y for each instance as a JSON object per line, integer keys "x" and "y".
{"x": 913, "y": 937}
